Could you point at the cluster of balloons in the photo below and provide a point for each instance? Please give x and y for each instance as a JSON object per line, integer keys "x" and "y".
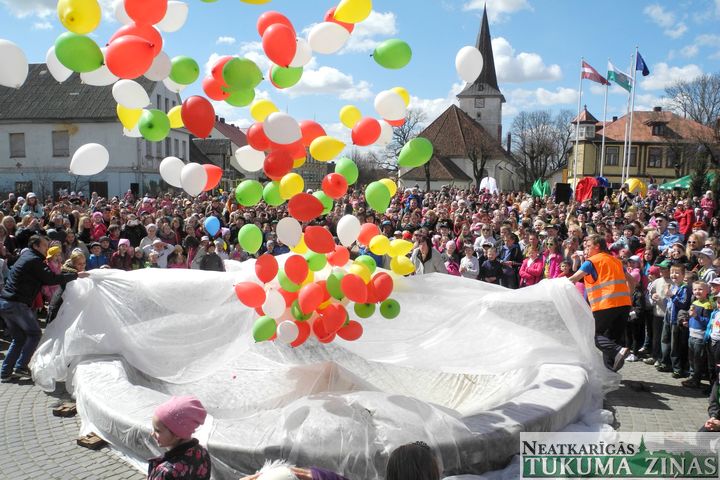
{"x": 194, "y": 178}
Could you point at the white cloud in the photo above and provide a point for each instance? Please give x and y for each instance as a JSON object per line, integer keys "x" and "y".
{"x": 648, "y": 101}
{"x": 665, "y": 19}
{"x": 498, "y": 10}
{"x": 42, "y": 26}
{"x": 330, "y": 81}
{"x": 225, "y": 41}
{"x": 662, "y": 75}
{"x": 433, "y": 107}
{"x": 24, "y": 8}
{"x": 364, "y": 37}
{"x": 689, "y": 51}
{"x": 523, "y": 67}
{"x": 524, "y": 99}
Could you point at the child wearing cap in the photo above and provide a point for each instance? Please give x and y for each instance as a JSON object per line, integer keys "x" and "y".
{"x": 98, "y": 229}
{"x": 53, "y": 259}
{"x": 698, "y": 318}
{"x": 705, "y": 257}
{"x": 97, "y": 259}
{"x": 122, "y": 259}
{"x": 674, "y": 335}
{"x": 174, "y": 423}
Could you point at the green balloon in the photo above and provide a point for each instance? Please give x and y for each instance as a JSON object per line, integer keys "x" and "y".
{"x": 390, "y": 308}
{"x": 79, "y": 53}
{"x": 368, "y": 261}
{"x": 184, "y": 70}
{"x": 248, "y": 193}
{"x": 415, "y": 153}
{"x": 364, "y": 310}
{"x": 333, "y": 284}
{"x": 241, "y": 74}
{"x": 393, "y": 54}
{"x": 377, "y": 196}
{"x": 154, "y": 125}
{"x": 347, "y": 169}
{"x": 285, "y": 77}
{"x": 297, "y": 313}
{"x": 271, "y": 194}
{"x": 250, "y": 238}
{"x": 264, "y": 328}
{"x": 326, "y": 201}
{"x": 316, "y": 261}
{"x": 287, "y": 284}
{"x": 241, "y": 98}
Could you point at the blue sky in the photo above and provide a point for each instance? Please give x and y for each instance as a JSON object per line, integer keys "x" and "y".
{"x": 538, "y": 45}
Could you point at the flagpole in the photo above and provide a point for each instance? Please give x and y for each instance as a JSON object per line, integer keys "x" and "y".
{"x": 577, "y": 127}
{"x": 602, "y": 147}
{"x": 632, "y": 110}
{"x": 626, "y": 156}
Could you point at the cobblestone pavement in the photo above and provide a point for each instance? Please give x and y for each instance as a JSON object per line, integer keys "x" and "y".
{"x": 37, "y": 445}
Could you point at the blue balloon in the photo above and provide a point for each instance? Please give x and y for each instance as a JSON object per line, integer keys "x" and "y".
{"x": 212, "y": 225}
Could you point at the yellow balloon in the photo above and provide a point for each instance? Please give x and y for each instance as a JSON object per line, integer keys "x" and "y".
{"x": 361, "y": 271}
{"x": 290, "y": 185}
{"x": 79, "y": 16}
{"x": 350, "y": 115}
{"x": 324, "y": 149}
{"x": 129, "y": 117}
{"x": 380, "y": 245}
{"x": 353, "y": 11}
{"x": 403, "y": 93}
{"x": 402, "y": 266}
{"x": 325, "y": 304}
{"x": 175, "y": 117}
{"x": 309, "y": 279}
{"x": 300, "y": 248}
{"x": 299, "y": 162}
{"x": 400, "y": 248}
{"x": 390, "y": 186}
{"x": 260, "y": 109}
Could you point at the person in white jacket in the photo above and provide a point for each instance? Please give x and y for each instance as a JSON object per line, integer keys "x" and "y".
{"x": 427, "y": 259}
{"x": 469, "y": 264}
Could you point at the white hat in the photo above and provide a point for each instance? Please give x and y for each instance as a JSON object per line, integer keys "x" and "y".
{"x": 31, "y": 195}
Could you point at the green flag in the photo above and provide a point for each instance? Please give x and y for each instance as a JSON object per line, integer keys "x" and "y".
{"x": 617, "y": 76}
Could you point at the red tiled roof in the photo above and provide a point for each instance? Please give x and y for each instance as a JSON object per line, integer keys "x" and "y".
{"x": 677, "y": 128}
{"x": 585, "y": 117}
{"x": 441, "y": 169}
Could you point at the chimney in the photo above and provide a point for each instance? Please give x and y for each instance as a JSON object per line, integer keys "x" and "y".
{"x": 657, "y": 109}
{"x": 222, "y": 120}
{"x": 509, "y": 143}
{"x": 614, "y": 118}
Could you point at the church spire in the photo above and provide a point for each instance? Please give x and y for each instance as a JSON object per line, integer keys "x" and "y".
{"x": 484, "y": 44}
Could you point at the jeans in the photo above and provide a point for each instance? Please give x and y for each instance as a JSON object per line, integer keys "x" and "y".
{"x": 698, "y": 358}
{"x": 674, "y": 347}
{"x": 25, "y": 332}
{"x": 609, "y": 329}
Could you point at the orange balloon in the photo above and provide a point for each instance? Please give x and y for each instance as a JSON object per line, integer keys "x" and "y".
{"x": 266, "y": 268}
{"x": 303, "y": 333}
{"x": 214, "y": 175}
{"x": 334, "y": 185}
{"x": 129, "y": 56}
{"x": 319, "y": 240}
{"x": 146, "y": 11}
{"x": 250, "y": 294}
{"x": 367, "y": 232}
{"x": 256, "y": 137}
{"x": 148, "y": 32}
{"x": 351, "y": 332}
{"x": 296, "y": 269}
{"x": 354, "y": 288}
{"x": 214, "y": 89}
{"x": 339, "y": 257}
{"x": 396, "y": 123}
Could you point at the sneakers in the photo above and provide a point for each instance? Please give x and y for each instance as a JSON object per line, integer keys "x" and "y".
{"x": 620, "y": 358}
{"x": 7, "y": 379}
{"x": 663, "y": 368}
{"x": 691, "y": 383}
{"x": 649, "y": 361}
{"x": 677, "y": 374}
{"x": 642, "y": 350}
{"x": 22, "y": 373}
{"x": 632, "y": 358}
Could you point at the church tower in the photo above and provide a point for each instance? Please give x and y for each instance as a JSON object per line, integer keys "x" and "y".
{"x": 482, "y": 100}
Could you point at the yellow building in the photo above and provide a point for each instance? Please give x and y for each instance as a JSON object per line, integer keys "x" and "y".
{"x": 664, "y": 146}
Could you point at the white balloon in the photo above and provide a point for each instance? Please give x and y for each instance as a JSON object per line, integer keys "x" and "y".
{"x": 14, "y": 63}
{"x": 90, "y": 159}
{"x": 100, "y": 77}
{"x": 390, "y": 105}
{"x": 170, "y": 170}
{"x": 303, "y": 54}
{"x": 249, "y": 159}
{"x": 160, "y": 68}
{"x": 121, "y": 15}
{"x": 327, "y": 37}
{"x": 274, "y": 305}
{"x": 177, "y": 13}
{"x": 386, "y": 134}
{"x": 289, "y": 231}
{"x": 287, "y": 332}
{"x": 282, "y": 128}
{"x": 59, "y": 71}
{"x": 172, "y": 86}
{"x": 193, "y": 178}
{"x": 130, "y": 94}
{"x": 348, "y": 229}
{"x": 134, "y": 133}
{"x": 469, "y": 63}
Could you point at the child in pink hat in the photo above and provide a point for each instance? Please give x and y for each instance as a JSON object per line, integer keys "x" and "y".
{"x": 174, "y": 423}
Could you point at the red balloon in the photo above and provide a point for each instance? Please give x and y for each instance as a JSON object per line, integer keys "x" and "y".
{"x": 250, "y": 294}
{"x": 277, "y": 164}
{"x": 310, "y": 297}
{"x": 214, "y": 89}
{"x": 256, "y": 137}
{"x": 129, "y": 56}
{"x": 214, "y": 175}
{"x": 147, "y": 12}
{"x": 367, "y": 232}
{"x": 354, "y": 288}
{"x": 266, "y": 267}
{"x": 304, "y": 331}
{"x": 371, "y": 294}
{"x": 366, "y": 132}
{"x": 303, "y": 207}
{"x": 296, "y": 269}
{"x": 198, "y": 115}
{"x": 318, "y": 328}
{"x": 295, "y": 150}
{"x": 279, "y": 44}
{"x": 382, "y": 285}
{"x": 339, "y": 257}
{"x": 217, "y": 70}
{"x": 334, "y": 185}
{"x": 351, "y": 332}
{"x": 319, "y": 240}
{"x": 323, "y": 285}
{"x": 327, "y": 339}
{"x": 289, "y": 297}
{"x": 310, "y": 131}
{"x": 271, "y": 18}
{"x": 333, "y": 317}
{"x": 330, "y": 17}
{"x": 148, "y": 32}
{"x": 259, "y": 311}
{"x": 396, "y": 123}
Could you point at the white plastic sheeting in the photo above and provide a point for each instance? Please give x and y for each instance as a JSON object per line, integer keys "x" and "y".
{"x": 459, "y": 349}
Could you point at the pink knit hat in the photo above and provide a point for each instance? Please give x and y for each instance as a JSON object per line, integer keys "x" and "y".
{"x": 124, "y": 241}
{"x": 181, "y": 415}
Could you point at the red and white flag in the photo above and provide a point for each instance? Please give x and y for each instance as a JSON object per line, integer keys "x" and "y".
{"x": 591, "y": 74}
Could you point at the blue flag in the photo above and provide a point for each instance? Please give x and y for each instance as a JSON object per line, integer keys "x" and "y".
{"x": 641, "y": 65}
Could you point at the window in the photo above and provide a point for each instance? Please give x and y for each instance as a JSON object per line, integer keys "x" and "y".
{"x": 671, "y": 158}
{"x": 612, "y": 156}
{"x": 159, "y": 102}
{"x": 148, "y": 149}
{"x": 654, "y": 157}
{"x": 481, "y": 87}
{"x": 479, "y": 103}
{"x": 158, "y": 149}
{"x": 60, "y": 189}
{"x": 23, "y": 188}
{"x": 167, "y": 105}
{"x": 658, "y": 129}
{"x": 176, "y": 148}
{"x": 633, "y": 157}
{"x": 17, "y": 145}
{"x": 184, "y": 150}
{"x": 100, "y": 187}
{"x": 168, "y": 147}
{"x": 61, "y": 143}
{"x": 478, "y": 115}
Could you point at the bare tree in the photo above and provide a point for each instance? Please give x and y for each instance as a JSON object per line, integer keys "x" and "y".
{"x": 414, "y": 123}
{"x": 697, "y": 99}
{"x": 536, "y": 144}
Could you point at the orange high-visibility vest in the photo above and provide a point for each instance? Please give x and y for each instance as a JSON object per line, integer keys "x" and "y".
{"x": 610, "y": 289}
